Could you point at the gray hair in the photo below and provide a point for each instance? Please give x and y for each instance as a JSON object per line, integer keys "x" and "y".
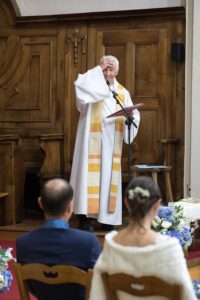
{"x": 113, "y": 59}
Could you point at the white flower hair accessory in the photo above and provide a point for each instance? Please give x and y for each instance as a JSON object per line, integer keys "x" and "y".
{"x": 138, "y": 190}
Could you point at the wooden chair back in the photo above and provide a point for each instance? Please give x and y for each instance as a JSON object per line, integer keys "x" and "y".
{"x": 56, "y": 274}
{"x": 139, "y": 286}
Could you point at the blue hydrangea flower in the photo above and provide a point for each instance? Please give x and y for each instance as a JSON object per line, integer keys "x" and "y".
{"x": 5, "y": 275}
{"x": 7, "y": 280}
{"x": 165, "y": 213}
{"x": 196, "y": 286}
{"x": 171, "y": 221}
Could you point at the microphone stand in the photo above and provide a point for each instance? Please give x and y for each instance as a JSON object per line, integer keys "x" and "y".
{"x": 128, "y": 122}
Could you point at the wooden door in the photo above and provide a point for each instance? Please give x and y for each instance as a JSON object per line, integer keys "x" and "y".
{"x": 147, "y": 71}
{"x": 143, "y": 59}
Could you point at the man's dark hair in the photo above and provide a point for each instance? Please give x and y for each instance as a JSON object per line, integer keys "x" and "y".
{"x": 55, "y": 195}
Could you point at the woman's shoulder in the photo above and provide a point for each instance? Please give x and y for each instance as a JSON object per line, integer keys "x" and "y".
{"x": 161, "y": 242}
{"x": 161, "y": 238}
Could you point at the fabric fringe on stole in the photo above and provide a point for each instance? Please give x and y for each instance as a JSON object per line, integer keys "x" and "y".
{"x": 116, "y": 163}
{"x": 94, "y": 157}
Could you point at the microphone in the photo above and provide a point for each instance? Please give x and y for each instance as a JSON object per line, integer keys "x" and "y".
{"x": 113, "y": 92}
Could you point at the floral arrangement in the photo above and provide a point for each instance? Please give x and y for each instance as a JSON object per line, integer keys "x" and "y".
{"x": 196, "y": 286}
{"x": 171, "y": 221}
{"x": 5, "y": 275}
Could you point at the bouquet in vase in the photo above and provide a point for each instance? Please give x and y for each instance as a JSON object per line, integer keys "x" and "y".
{"x": 171, "y": 221}
{"x": 196, "y": 286}
{"x": 5, "y": 275}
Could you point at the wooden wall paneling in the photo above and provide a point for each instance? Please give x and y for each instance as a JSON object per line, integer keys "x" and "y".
{"x": 33, "y": 156}
{"x": 29, "y": 85}
{"x": 7, "y": 13}
{"x": 130, "y": 68}
{"x": 92, "y": 42}
{"x": 52, "y": 147}
{"x": 8, "y": 48}
{"x": 43, "y": 56}
{"x": 177, "y": 78}
{"x": 95, "y": 29}
{"x": 60, "y": 80}
{"x": 12, "y": 177}
{"x": 75, "y": 63}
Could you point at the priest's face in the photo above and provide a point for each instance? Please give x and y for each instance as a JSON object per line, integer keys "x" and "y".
{"x": 109, "y": 74}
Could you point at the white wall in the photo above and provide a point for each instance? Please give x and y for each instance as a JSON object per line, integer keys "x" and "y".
{"x": 188, "y": 96}
{"x": 53, "y": 7}
{"x": 195, "y": 101}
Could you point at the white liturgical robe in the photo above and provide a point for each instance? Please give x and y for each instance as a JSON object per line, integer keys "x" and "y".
{"x": 91, "y": 87}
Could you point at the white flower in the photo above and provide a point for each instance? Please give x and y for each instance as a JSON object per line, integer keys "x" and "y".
{"x": 8, "y": 254}
{"x": 154, "y": 224}
{"x": 171, "y": 221}
{"x": 158, "y": 220}
{"x": 138, "y": 190}
{"x": 166, "y": 224}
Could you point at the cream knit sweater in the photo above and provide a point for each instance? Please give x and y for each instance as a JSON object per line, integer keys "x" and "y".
{"x": 165, "y": 260}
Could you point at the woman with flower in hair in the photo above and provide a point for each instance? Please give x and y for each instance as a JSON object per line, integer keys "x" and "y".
{"x": 138, "y": 250}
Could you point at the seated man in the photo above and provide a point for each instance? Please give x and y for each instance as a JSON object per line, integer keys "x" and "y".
{"x": 56, "y": 243}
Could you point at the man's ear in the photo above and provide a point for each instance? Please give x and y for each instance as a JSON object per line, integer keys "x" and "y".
{"x": 39, "y": 200}
{"x": 70, "y": 207}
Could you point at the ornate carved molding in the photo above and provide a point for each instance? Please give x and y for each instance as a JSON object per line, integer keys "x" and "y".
{"x": 76, "y": 39}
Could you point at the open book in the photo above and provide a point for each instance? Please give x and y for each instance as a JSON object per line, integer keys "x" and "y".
{"x": 128, "y": 110}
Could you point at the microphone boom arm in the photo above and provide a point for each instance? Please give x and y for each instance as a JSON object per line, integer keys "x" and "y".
{"x": 129, "y": 119}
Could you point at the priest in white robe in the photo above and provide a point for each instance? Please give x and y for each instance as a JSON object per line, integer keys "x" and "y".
{"x": 96, "y": 169}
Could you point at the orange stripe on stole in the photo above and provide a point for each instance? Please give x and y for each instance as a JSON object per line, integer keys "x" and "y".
{"x": 112, "y": 204}
{"x": 95, "y": 156}
{"x": 93, "y": 205}
{"x": 95, "y": 127}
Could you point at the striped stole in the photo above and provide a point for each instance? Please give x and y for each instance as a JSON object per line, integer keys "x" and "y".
{"x": 94, "y": 156}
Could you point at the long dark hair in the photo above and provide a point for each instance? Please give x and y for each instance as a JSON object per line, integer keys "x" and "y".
{"x": 141, "y": 194}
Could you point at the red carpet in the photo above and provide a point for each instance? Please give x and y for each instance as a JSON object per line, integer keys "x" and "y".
{"x": 194, "y": 252}
{"x": 13, "y": 293}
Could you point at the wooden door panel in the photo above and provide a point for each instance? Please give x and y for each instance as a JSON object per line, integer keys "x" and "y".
{"x": 146, "y": 84}
{"x": 147, "y": 126}
{"x": 27, "y": 85}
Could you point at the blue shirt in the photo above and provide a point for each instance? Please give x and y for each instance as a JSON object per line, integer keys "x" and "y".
{"x": 56, "y": 223}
